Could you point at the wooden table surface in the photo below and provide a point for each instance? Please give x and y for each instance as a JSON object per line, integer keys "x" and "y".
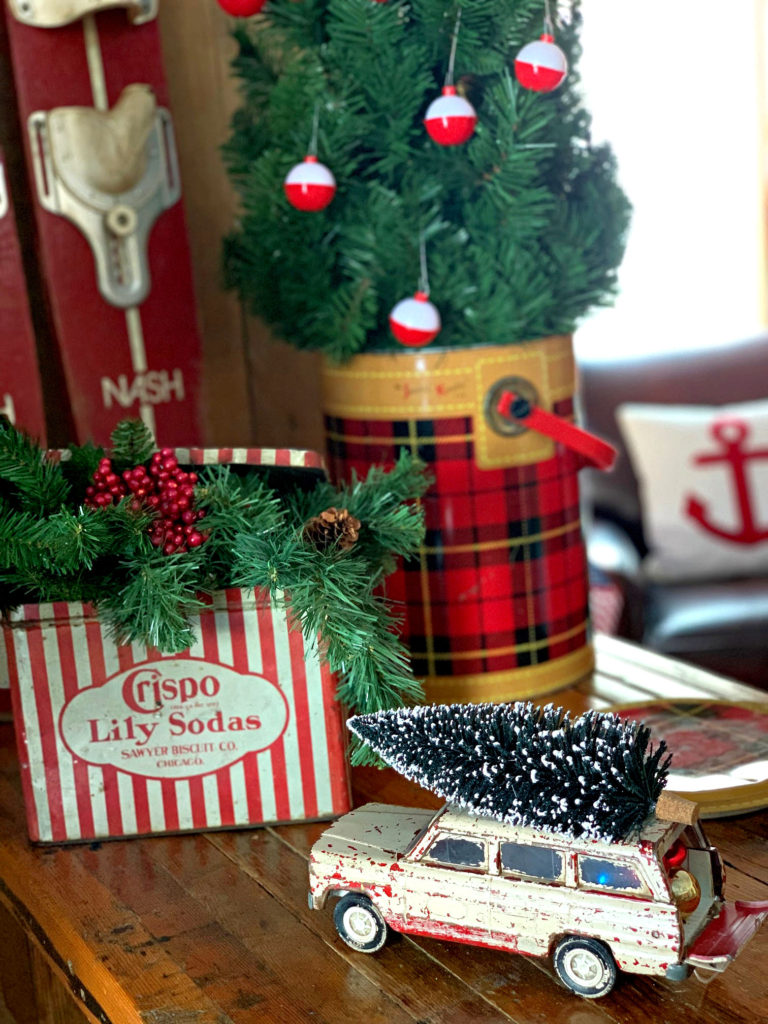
{"x": 215, "y": 928}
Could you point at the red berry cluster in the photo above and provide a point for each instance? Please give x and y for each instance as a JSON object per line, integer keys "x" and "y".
{"x": 164, "y": 488}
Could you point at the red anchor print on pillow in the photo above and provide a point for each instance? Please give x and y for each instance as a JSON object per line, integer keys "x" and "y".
{"x": 731, "y": 435}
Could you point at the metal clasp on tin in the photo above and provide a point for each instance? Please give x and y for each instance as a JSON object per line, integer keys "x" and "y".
{"x": 505, "y": 425}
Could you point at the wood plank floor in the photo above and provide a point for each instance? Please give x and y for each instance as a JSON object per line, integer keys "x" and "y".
{"x": 215, "y": 928}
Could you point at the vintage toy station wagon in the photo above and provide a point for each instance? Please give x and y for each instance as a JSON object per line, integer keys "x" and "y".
{"x": 649, "y": 905}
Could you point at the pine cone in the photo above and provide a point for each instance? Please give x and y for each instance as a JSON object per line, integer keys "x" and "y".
{"x": 333, "y": 526}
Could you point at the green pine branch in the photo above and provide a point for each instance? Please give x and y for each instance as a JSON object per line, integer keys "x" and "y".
{"x": 331, "y": 599}
{"x": 28, "y": 479}
{"x": 150, "y": 600}
{"x": 331, "y": 594}
{"x": 68, "y": 551}
{"x": 21, "y": 538}
{"x": 132, "y": 443}
{"x": 525, "y": 224}
{"x": 78, "y": 464}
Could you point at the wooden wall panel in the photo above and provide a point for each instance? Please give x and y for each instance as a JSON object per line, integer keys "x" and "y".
{"x": 257, "y": 391}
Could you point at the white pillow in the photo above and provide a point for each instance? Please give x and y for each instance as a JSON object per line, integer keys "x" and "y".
{"x": 703, "y": 476}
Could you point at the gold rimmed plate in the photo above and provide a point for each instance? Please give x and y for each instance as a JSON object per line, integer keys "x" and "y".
{"x": 719, "y": 750}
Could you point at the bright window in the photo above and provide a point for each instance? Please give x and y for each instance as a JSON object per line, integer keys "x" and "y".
{"x": 600, "y": 873}
{"x": 676, "y": 87}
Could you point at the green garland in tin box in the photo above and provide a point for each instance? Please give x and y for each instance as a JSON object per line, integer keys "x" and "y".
{"x": 143, "y": 540}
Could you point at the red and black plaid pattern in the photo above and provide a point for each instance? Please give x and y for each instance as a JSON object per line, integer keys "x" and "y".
{"x": 501, "y": 582}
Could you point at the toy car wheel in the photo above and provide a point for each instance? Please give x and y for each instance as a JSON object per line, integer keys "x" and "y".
{"x": 585, "y": 966}
{"x": 360, "y": 924}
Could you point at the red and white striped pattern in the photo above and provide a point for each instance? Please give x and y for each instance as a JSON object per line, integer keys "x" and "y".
{"x": 296, "y": 458}
{"x": 58, "y": 650}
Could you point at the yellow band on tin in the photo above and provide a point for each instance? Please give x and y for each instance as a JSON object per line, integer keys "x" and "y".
{"x": 450, "y": 383}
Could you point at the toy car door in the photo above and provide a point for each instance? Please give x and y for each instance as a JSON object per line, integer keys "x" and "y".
{"x": 446, "y": 889}
{"x": 527, "y": 897}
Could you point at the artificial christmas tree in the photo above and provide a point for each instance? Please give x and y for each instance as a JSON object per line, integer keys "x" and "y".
{"x": 513, "y": 231}
{"x": 595, "y": 776}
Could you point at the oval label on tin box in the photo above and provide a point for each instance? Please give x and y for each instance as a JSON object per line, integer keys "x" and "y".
{"x": 173, "y": 718}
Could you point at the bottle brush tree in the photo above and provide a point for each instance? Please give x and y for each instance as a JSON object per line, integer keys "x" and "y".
{"x": 595, "y": 776}
{"x": 515, "y": 233}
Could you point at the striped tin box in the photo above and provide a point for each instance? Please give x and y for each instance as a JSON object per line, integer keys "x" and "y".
{"x": 290, "y": 463}
{"x": 240, "y": 729}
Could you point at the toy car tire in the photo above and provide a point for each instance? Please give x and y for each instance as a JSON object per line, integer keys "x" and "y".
{"x": 585, "y": 966}
{"x": 360, "y": 924}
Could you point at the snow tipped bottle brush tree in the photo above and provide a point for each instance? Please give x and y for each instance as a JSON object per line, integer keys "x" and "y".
{"x": 432, "y": 146}
{"x": 595, "y": 776}
{"x": 144, "y": 540}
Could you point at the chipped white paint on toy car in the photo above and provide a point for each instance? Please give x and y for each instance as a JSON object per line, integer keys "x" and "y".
{"x": 379, "y": 850}
{"x": 364, "y": 846}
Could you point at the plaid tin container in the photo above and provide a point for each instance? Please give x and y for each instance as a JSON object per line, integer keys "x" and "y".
{"x": 117, "y": 740}
{"x": 496, "y": 605}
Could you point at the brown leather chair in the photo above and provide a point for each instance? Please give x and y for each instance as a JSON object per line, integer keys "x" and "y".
{"x": 721, "y": 624}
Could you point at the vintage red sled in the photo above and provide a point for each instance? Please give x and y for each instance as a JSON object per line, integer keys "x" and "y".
{"x": 21, "y": 398}
{"x": 99, "y": 142}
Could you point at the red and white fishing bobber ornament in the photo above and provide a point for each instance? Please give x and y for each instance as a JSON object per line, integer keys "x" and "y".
{"x": 415, "y": 321}
{"x": 450, "y": 119}
{"x": 541, "y": 65}
{"x": 310, "y": 185}
{"x": 241, "y": 8}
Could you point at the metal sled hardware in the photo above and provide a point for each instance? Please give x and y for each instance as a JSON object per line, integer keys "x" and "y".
{"x": 3, "y": 192}
{"x": 55, "y": 13}
{"x": 111, "y": 173}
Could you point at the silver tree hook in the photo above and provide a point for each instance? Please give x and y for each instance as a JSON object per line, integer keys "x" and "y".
{"x": 549, "y": 26}
{"x": 424, "y": 272}
{"x": 454, "y": 44}
{"x": 315, "y": 129}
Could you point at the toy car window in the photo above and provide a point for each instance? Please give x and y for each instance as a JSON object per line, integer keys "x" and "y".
{"x": 532, "y": 861}
{"x": 458, "y": 852}
{"x": 607, "y": 874}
